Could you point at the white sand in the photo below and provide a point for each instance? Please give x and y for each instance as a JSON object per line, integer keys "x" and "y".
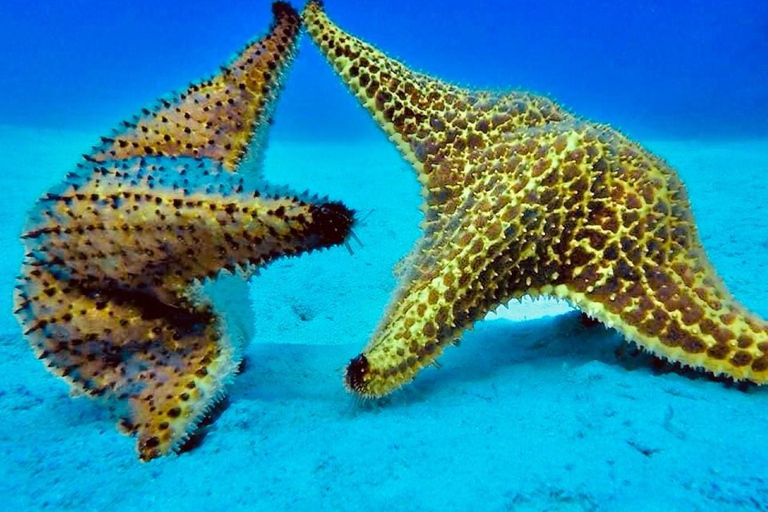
{"x": 531, "y": 415}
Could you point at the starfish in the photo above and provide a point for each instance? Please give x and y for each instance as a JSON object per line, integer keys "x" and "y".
{"x": 115, "y": 294}
{"x": 522, "y": 198}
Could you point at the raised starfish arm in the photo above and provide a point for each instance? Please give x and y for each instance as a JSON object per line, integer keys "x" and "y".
{"x": 127, "y": 223}
{"x": 580, "y": 213}
{"x": 429, "y": 120}
{"x": 108, "y": 297}
{"x": 224, "y": 118}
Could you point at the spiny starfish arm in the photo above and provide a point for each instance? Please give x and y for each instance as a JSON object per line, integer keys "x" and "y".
{"x": 158, "y": 224}
{"x": 640, "y": 268}
{"x": 679, "y": 312}
{"x": 225, "y": 117}
{"x": 582, "y": 213}
{"x": 159, "y": 367}
{"x": 427, "y": 119}
{"x": 636, "y": 263}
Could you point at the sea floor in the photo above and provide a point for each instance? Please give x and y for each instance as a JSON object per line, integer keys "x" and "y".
{"x": 531, "y": 413}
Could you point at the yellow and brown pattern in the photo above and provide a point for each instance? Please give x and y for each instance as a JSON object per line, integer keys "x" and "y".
{"x": 524, "y": 198}
{"x": 113, "y": 290}
{"x": 223, "y": 118}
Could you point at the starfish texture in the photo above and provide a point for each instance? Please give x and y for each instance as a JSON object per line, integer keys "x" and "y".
{"x": 523, "y": 198}
{"x": 115, "y": 294}
{"x": 222, "y": 118}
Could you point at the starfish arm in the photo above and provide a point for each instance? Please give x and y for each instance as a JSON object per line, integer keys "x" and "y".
{"x": 582, "y": 213}
{"x": 429, "y": 120}
{"x": 224, "y": 118}
{"x": 158, "y": 367}
{"x": 488, "y": 251}
{"x": 159, "y": 224}
{"x": 641, "y": 269}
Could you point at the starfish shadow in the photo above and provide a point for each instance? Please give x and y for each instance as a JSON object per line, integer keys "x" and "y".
{"x": 496, "y": 346}
{"x": 195, "y": 440}
{"x": 309, "y": 373}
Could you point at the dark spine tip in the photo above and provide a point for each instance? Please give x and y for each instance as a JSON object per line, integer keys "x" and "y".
{"x": 332, "y": 222}
{"x": 357, "y": 369}
{"x": 148, "y": 449}
{"x": 284, "y": 9}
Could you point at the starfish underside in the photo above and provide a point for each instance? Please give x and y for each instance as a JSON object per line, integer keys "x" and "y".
{"x": 112, "y": 294}
{"x": 523, "y": 198}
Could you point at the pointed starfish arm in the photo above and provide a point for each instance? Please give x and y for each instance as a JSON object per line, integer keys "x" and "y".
{"x": 159, "y": 368}
{"x": 223, "y": 118}
{"x": 584, "y": 214}
{"x": 107, "y": 296}
{"x": 128, "y": 223}
{"x": 429, "y": 120}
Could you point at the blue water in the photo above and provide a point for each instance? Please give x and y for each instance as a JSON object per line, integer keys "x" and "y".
{"x": 527, "y": 415}
{"x": 683, "y": 68}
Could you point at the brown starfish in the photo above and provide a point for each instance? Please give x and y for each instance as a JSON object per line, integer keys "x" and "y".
{"x": 115, "y": 292}
{"x": 524, "y": 198}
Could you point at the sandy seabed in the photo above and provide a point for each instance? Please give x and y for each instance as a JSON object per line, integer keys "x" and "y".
{"x": 533, "y": 412}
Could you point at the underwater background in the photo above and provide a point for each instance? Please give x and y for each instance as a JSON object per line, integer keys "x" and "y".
{"x": 534, "y": 411}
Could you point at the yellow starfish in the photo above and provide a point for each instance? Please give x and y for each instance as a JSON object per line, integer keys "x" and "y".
{"x": 115, "y": 291}
{"x": 524, "y": 198}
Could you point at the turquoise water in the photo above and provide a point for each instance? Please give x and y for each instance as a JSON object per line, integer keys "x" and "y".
{"x": 532, "y": 412}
